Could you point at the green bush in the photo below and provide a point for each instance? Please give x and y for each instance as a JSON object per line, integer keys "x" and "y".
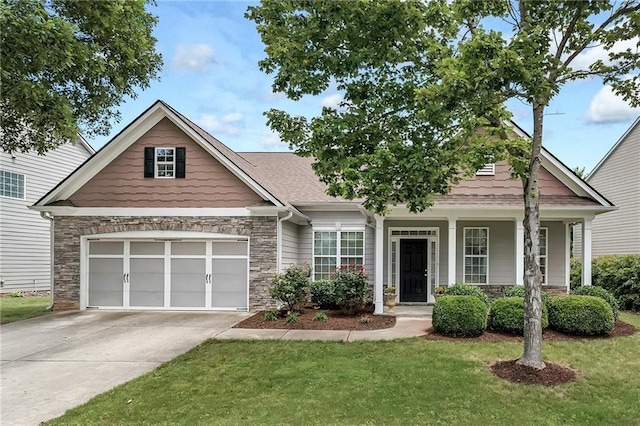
{"x": 292, "y": 287}
{"x": 271, "y": 315}
{"x": 619, "y": 274}
{"x": 350, "y": 289}
{"x": 320, "y": 317}
{"x": 459, "y": 316}
{"x": 292, "y": 317}
{"x": 581, "y": 315}
{"x": 467, "y": 290}
{"x": 323, "y": 294}
{"x": 507, "y": 314}
{"x": 598, "y": 292}
{"x": 575, "y": 272}
{"x": 518, "y": 291}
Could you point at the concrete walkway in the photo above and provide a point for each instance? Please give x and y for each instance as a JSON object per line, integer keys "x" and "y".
{"x": 405, "y": 327}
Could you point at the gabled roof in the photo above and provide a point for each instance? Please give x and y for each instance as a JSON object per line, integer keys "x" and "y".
{"x": 613, "y": 148}
{"x": 144, "y": 122}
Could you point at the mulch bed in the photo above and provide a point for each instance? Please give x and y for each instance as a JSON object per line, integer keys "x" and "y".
{"x": 621, "y": 329}
{"x": 336, "y": 321}
{"x": 551, "y": 375}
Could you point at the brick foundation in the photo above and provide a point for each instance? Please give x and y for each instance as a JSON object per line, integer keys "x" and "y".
{"x": 68, "y": 230}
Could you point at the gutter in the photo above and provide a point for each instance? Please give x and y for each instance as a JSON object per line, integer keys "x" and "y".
{"x": 279, "y": 240}
{"x": 47, "y": 215}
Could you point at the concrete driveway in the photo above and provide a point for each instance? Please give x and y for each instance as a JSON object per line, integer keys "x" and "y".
{"x": 53, "y": 363}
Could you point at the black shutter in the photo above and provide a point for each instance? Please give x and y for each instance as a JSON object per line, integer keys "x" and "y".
{"x": 181, "y": 164}
{"x": 149, "y": 154}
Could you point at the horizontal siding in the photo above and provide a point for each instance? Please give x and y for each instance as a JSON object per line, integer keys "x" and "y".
{"x": 290, "y": 249}
{"x": 557, "y": 254}
{"x": 24, "y": 234}
{"x": 208, "y": 183}
{"x": 370, "y": 252}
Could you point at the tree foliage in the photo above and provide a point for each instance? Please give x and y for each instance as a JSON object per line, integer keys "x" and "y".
{"x": 65, "y": 64}
{"x": 424, "y": 86}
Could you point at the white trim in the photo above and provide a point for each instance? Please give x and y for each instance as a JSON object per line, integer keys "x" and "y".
{"x": 567, "y": 255}
{"x": 485, "y": 212}
{"x": 519, "y": 251}
{"x": 153, "y": 211}
{"x": 24, "y": 186}
{"x": 156, "y": 163}
{"x": 128, "y": 137}
{"x": 397, "y": 239}
{"x": 489, "y": 169}
{"x": 379, "y": 266}
{"x": 338, "y": 230}
{"x": 613, "y": 148}
{"x": 586, "y": 251}
{"x": 545, "y": 276}
{"x": 452, "y": 251}
{"x": 464, "y": 254}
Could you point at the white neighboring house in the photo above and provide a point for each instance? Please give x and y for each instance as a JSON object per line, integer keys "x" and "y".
{"x": 25, "y": 236}
{"x": 617, "y": 177}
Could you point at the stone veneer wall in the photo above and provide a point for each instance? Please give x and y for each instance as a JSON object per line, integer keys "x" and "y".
{"x": 495, "y": 291}
{"x": 68, "y": 230}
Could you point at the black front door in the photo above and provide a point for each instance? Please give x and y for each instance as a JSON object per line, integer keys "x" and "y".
{"x": 413, "y": 270}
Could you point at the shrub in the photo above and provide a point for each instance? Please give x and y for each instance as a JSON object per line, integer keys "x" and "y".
{"x": 507, "y": 314}
{"x": 292, "y": 317}
{"x": 271, "y": 315}
{"x": 598, "y": 292}
{"x": 581, "y": 315}
{"x": 459, "y": 315}
{"x": 320, "y": 317}
{"x": 518, "y": 291}
{"x": 575, "y": 272}
{"x": 350, "y": 288}
{"x": 467, "y": 290}
{"x": 322, "y": 294}
{"x": 620, "y": 274}
{"x": 291, "y": 288}
{"x": 365, "y": 320}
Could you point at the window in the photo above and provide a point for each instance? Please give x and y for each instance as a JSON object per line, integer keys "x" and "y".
{"x": 11, "y": 185}
{"x": 476, "y": 255}
{"x": 165, "y": 162}
{"x": 332, "y": 249}
{"x": 543, "y": 254}
{"x": 487, "y": 170}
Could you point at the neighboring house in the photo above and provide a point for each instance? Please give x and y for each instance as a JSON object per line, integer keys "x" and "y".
{"x": 166, "y": 217}
{"x": 25, "y": 236}
{"x": 617, "y": 176}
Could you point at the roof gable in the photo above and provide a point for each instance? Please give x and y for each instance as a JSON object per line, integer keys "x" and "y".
{"x": 619, "y": 142}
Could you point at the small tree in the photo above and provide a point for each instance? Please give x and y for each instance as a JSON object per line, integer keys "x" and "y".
{"x": 350, "y": 288}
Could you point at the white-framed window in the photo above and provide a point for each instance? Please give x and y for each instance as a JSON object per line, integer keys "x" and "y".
{"x": 488, "y": 170}
{"x": 165, "y": 162}
{"x": 12, "y": 185}
{"x": 543, "y": 253}
{"x": 476, "y": 255}
{"x": 333, "y": 249}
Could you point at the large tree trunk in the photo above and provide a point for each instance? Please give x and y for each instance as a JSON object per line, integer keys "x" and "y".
{"x": 532, "y": 355}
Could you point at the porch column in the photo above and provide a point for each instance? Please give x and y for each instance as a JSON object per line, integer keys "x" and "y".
{"x": 586, "y": 251}
{"x": 519, "y": 252}
{"x": 378, "y": 290}
{"x": 568, "y": 229}
{"x": 452, "y": 251}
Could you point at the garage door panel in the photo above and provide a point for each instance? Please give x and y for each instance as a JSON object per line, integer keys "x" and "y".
{"x": 147, "y": 282}
{"x": 187, "y": 283}
{"x": 105, "y": 282}
{"x": 229, "y": 283}
{"x": 229, "y": 248}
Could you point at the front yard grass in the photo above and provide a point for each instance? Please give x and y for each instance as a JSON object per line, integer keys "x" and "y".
{"x": 20, "y": 308}
{"x": 401, "y": 382}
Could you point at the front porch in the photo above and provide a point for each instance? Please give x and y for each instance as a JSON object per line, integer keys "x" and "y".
{"x": 417, "y": 253}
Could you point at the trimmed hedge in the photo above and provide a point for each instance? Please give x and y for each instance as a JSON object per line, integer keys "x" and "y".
{"x": 619, "y": 274}
{"x": 507, "y": 314}
{"x": 461, "y": 289}
{"x": 459, "y": 316}
{"x": 581, "y": 315}
{"x": 518, "y": 291}
{"x": 598, "y": 292}
{"x": 323, "y": 294}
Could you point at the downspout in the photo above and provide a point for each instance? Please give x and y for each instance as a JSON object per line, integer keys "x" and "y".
{"x": 279, "y": 240}
{"x": 47, "y": 215}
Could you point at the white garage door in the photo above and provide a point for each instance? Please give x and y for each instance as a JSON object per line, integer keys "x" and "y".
{"x": 139, "y": 274}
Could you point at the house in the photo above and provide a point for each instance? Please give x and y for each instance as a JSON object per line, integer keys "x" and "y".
{"x": 167, "y": 217}
{"x": 617, "y": 176}
{"x": 25, "y": 237}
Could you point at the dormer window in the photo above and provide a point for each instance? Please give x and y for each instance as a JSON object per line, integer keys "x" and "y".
{"x": 164, "y": 162}
{"x": 488, "y": 170}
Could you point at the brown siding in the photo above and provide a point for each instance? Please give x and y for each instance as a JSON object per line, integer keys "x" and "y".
{"x": 208, "y": 183}
{"x": 502, "y": 184}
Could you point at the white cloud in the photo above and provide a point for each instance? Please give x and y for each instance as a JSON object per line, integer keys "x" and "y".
{"x": 591, "y": 55}
{"x": 224, "y": 125}
{"x": 332, "y": 101}
{"x": 606, "y": 107}
{"x": 193, "y": 57}
{"x": 271, "y": 141}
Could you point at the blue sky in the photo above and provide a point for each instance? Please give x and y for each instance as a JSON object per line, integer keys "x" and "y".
{"x": 211, "y": 75}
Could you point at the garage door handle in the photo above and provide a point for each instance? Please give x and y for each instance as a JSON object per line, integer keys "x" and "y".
{"x": 207, "y": 278}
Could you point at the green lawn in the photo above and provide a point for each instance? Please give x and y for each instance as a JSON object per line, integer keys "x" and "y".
{"x": 399, "y": 382}
{"x": 19, "y": 308}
